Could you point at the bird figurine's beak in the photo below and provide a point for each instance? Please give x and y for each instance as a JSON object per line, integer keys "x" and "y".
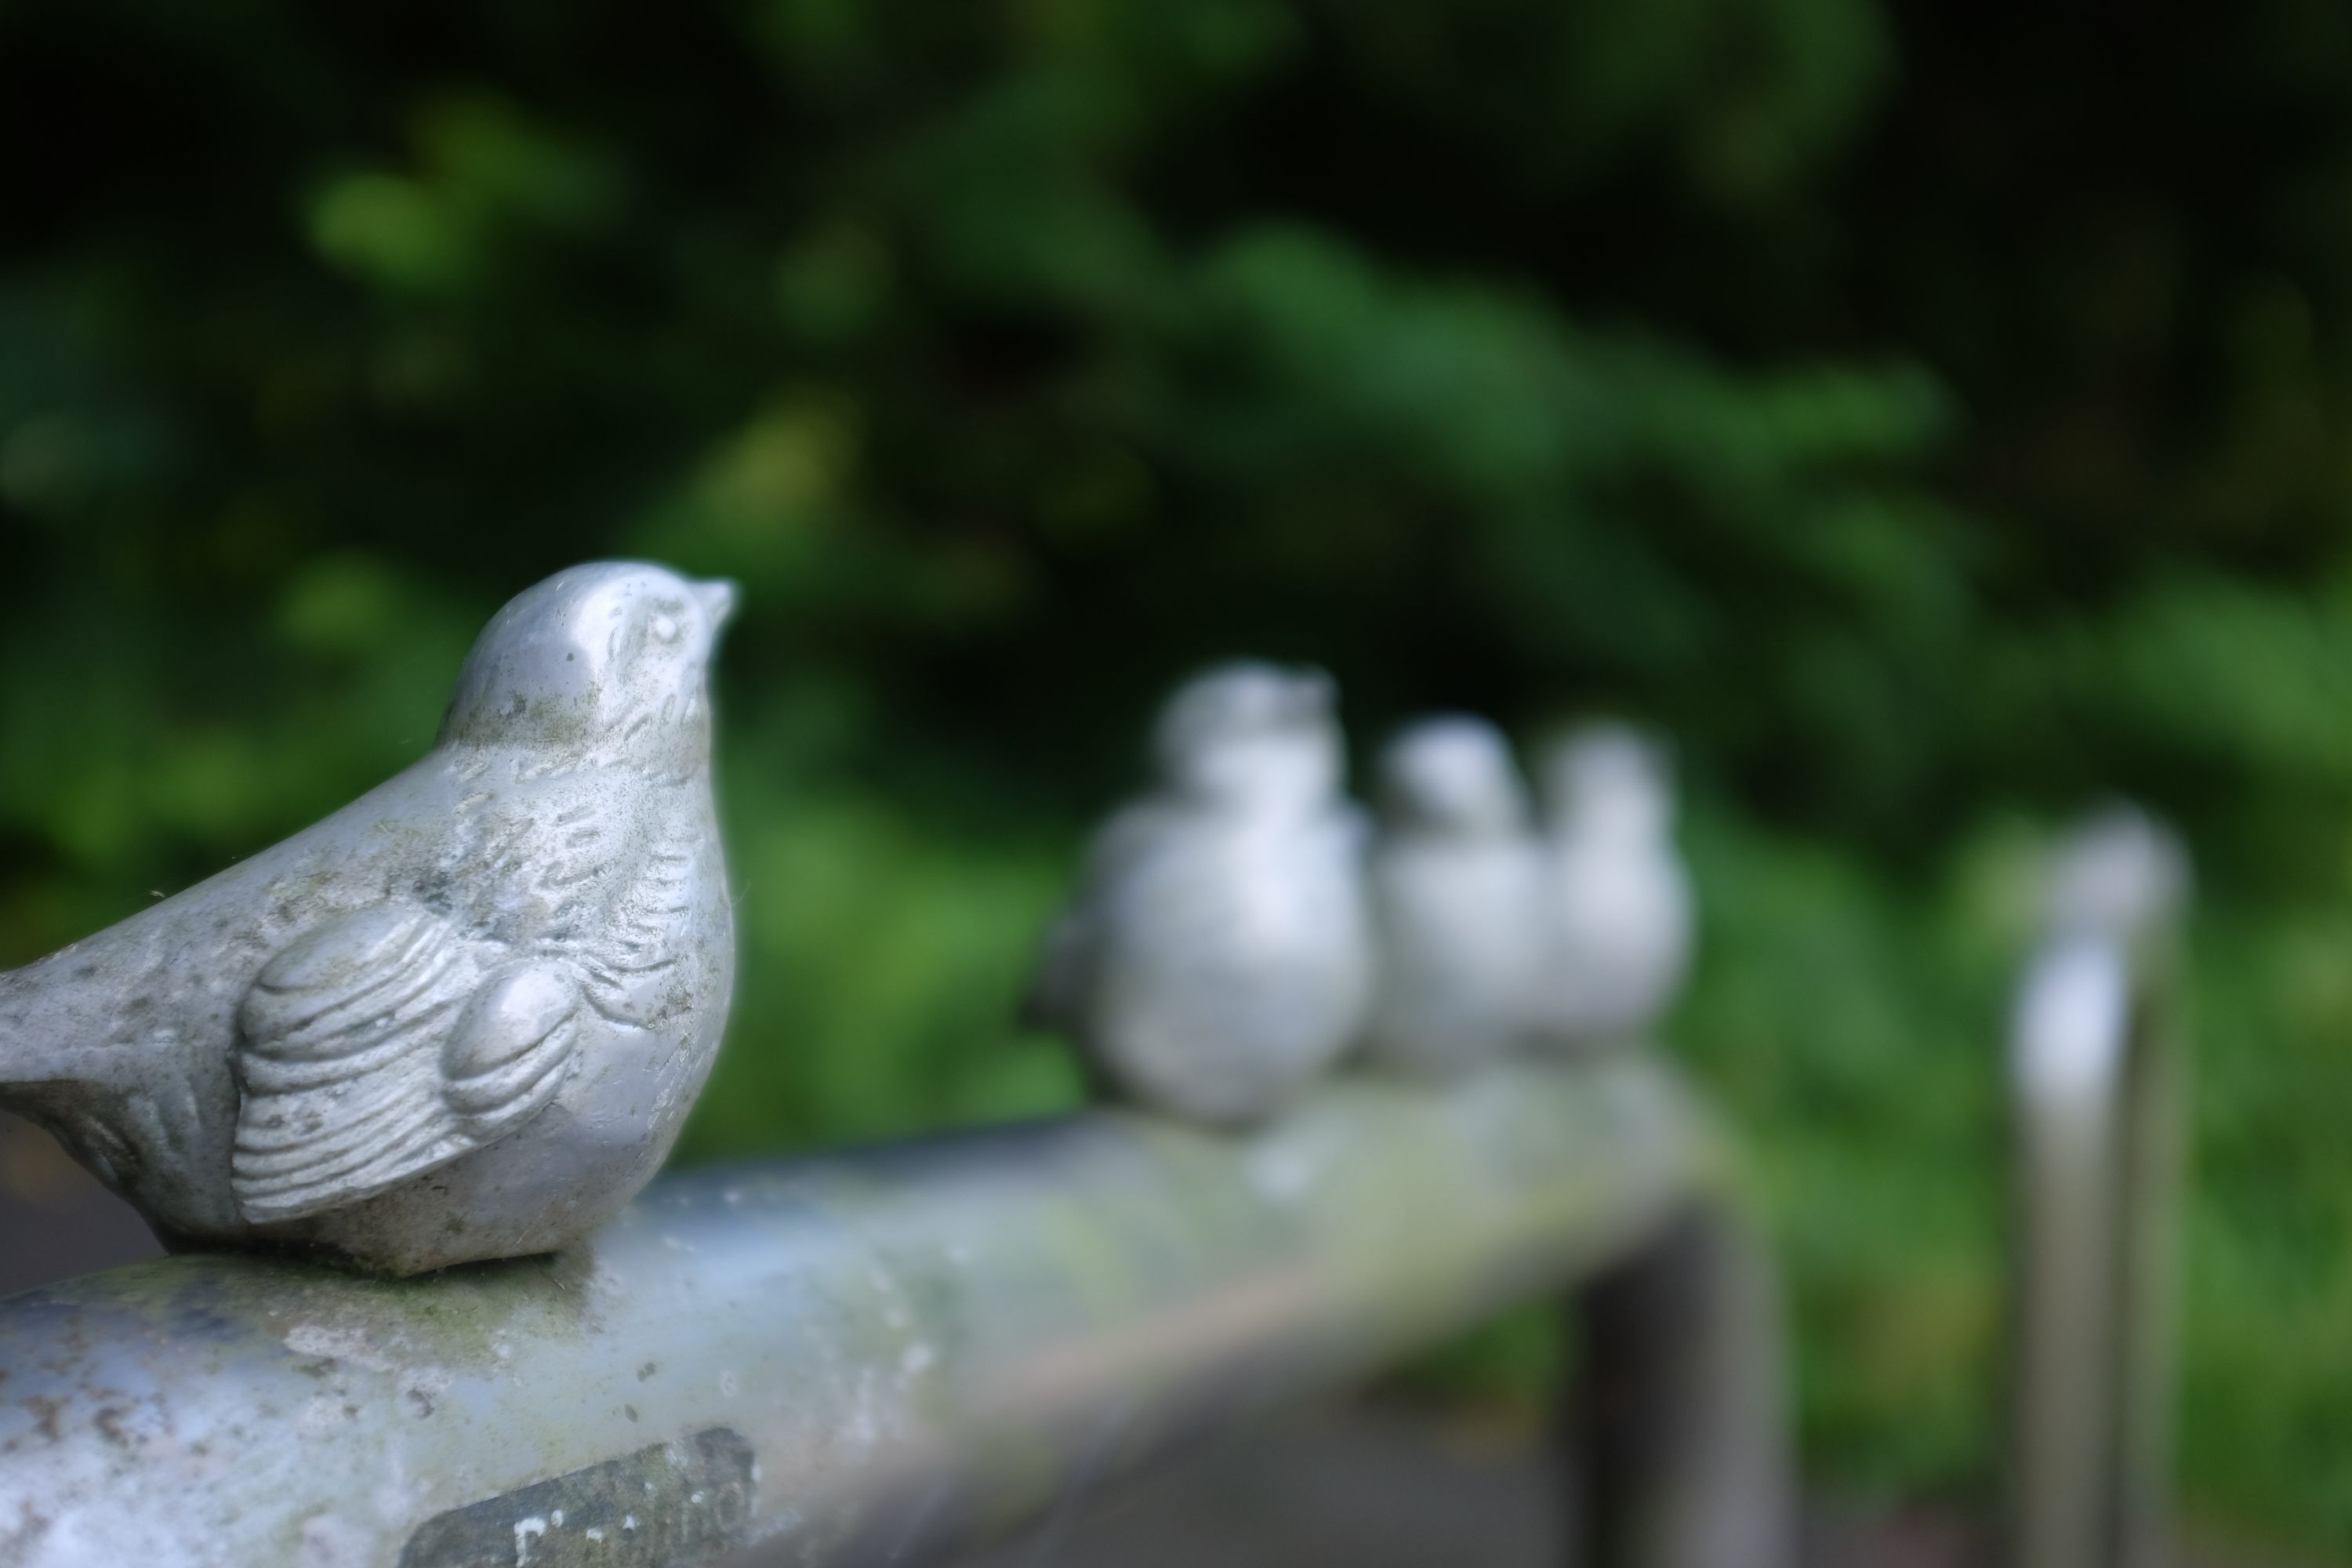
{"x": 718, "y": 596}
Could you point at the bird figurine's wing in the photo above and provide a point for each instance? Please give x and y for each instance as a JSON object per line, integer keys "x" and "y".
{"x": 376, "y": 1046}
{"x": 1064, "y": 962}
{"x": 1067, "y": 959}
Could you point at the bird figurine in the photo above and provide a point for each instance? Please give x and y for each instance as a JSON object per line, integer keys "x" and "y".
{"x": 2121, "y": 876}
{"x": 1457, "y": 900}
{"x": 1217, "y": 957}
{"x": 1619, "y": 916}
{"x": 462, "y": 1017}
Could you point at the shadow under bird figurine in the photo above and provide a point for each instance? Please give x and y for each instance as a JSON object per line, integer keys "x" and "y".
{"x": 1457, "y": 900}
{"x": 1618, "y": 910}
{"x": 461, "y": 1018}
{"x": 1216, "y": 958}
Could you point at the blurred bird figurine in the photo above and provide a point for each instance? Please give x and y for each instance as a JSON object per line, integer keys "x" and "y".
{"x": 1618, "y": 920}
{"x": 463, "y": 1017}
{"x": 2121, "y": 874}
{"x": 1216, "y": 958}
{"x": 1457, "y": 900}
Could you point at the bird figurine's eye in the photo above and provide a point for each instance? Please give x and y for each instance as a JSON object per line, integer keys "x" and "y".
{"x": 665, "y": 628}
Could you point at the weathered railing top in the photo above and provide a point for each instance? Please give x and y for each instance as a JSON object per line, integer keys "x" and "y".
{"x": 863, "y": 1358}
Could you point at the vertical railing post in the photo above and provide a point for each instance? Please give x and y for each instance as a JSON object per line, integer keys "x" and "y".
{"x": 1678, "y": 1412}
{"x": 2094, "y": 1075}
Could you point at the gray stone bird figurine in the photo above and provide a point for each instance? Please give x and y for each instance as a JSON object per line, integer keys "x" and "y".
{"x": 1619, "y": 913}
{"x": 1217, "y": 956}
{"x": 1457, "y": 895}
{"x": 462, "y": 1017}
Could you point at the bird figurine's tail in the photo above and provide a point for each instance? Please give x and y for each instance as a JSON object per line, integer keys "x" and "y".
{"x": 24, "y": 1055}
{"x": 12, "y": 1044}
{"x": 1051, "y": 1002}
{"x": 46, "y": 1078}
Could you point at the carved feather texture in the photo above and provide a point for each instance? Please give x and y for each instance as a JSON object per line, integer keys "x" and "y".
{"x": 374, "y": 1047}
{"x": 623, "y": 947}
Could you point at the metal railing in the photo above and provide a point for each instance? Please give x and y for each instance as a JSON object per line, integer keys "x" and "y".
{"x": 2097, "y": 1092}
{"x": 892, "y": 1355}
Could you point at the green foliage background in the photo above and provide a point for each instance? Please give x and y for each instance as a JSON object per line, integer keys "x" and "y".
{"x": 1934, "y": 417}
